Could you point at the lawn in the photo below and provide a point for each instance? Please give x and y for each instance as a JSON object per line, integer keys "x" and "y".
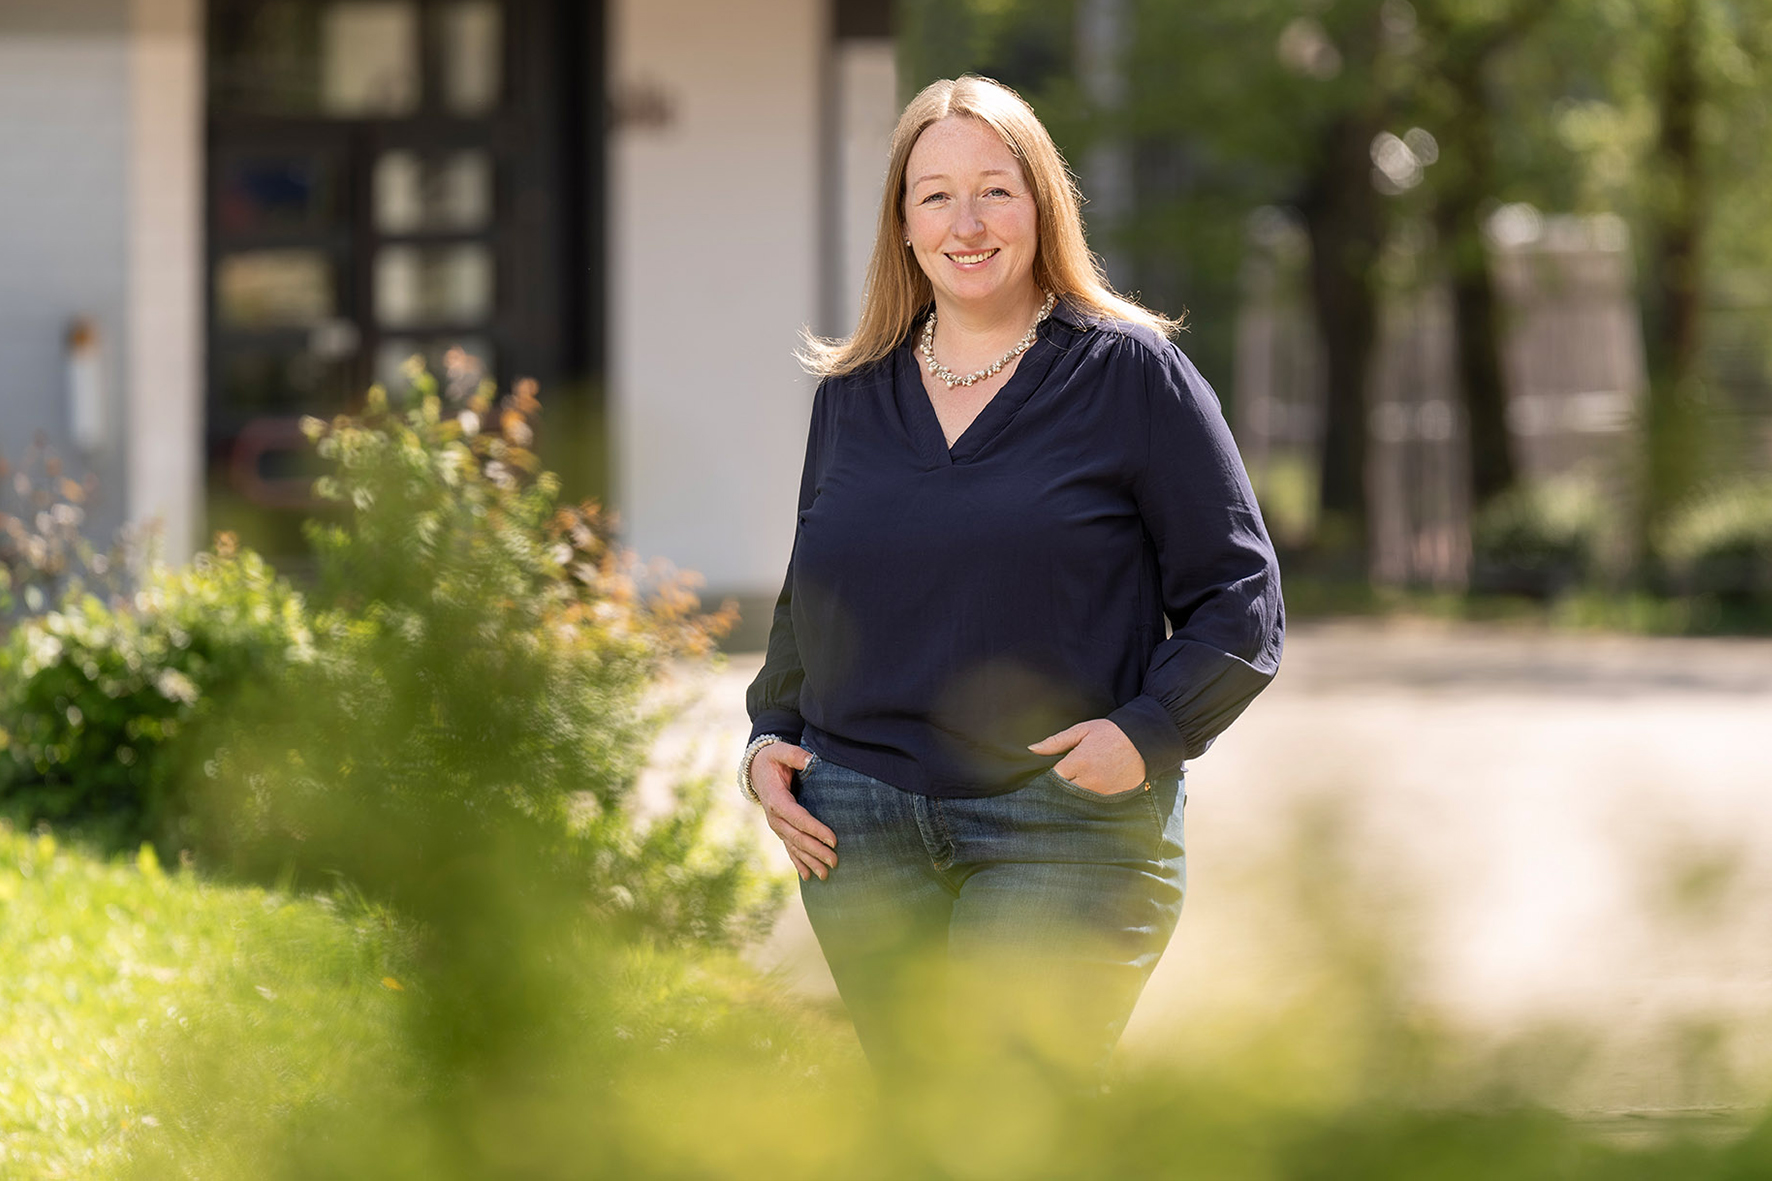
{"x": 108, "y": 964}
{"x": 159, "y": 1023}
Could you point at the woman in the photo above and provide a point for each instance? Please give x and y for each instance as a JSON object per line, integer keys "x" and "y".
{"x": 1012, "y": 478}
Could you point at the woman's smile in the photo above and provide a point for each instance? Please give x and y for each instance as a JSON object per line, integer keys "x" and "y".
{"x": 972, "y": 261}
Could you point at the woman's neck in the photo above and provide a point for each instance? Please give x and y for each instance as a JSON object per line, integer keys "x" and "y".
{"x": 970, "y": 336}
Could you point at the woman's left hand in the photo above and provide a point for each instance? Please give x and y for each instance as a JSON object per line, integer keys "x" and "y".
{"x": 1101, "y": 759}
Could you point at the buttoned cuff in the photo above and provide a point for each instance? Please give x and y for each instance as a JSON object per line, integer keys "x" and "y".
{"x": 1153, "y": 732}
{"x": 783, "y": 723}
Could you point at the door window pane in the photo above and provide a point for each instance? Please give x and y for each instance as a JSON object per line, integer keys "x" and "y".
{"x": 369, "y": 58}
{"x": 271, "y": 381}
{"x": 276, "y": 195}
{"x": 263, "y": 57}
{"x": 274, "y": 288}
{"x": 349, "y": 58}
{"x": 433, "y": 284}
{"x": 472, "y": 45}
{"x": 415, "y": 193}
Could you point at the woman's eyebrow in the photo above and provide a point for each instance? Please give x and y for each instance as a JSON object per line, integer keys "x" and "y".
{"x": 943, "y": 175}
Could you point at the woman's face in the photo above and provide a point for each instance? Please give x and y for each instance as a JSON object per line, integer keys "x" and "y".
{"x": 970, "y": 216}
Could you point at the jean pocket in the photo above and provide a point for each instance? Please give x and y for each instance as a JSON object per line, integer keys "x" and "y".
{"x": 1075, "y": 789}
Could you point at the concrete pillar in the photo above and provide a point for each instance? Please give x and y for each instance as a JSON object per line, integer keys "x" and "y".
{"x": 164, "y": 295}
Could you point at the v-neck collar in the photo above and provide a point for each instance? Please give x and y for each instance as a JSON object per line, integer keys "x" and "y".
{"x": 988, "y": 423}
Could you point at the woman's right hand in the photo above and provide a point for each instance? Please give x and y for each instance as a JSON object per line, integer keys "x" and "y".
{"x": 811, "y": 846}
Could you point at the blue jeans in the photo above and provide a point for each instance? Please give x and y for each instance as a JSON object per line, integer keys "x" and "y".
{"x": 1017, "y": 927}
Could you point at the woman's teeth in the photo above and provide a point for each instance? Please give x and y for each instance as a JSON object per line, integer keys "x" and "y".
{"x": 969, "y": 259}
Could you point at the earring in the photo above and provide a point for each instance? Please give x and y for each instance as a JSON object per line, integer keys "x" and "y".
{"x": 907, "y": 241}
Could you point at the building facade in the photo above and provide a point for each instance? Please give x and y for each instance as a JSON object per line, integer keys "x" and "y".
{"x": 216, "y": 217}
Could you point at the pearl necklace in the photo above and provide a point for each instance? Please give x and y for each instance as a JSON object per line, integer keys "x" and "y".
{"x": 943, "y": 373}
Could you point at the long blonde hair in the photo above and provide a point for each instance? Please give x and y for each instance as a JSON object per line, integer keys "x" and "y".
{"x": 897, "y": 289}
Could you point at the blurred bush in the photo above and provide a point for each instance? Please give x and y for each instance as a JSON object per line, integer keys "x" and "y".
{"x": 465, "y": 747}
{"x": 466, "y": 678}
{"x": 1540, "y": 539}
{"x": 1286, "y": 487}
{"x": 444, "y": 738}
{"x": 482, "y": 657}
{"x": 105, "y": 710}
{"x": 1720, "y": 543}
{"x": 45, "y": 557}
{"x": 548, "y": 1050}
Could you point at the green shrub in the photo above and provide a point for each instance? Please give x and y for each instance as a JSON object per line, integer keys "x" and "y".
{"x": 1721, "y": 543}
{"x": 1539, "y": 539}
{"x": 465, "y": 744}
{"x": 471, "y": 683}
{"x": 483, "y": 654}
{"x": 105, "y": 710}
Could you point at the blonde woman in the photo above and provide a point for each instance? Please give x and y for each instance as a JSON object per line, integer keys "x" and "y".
{"x": 971, "y": 726}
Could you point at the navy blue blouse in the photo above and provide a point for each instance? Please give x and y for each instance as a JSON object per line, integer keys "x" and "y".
{"x": 945, "y": 607}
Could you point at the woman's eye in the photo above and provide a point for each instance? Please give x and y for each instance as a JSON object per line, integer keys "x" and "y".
{"x": 933, "y": 197}
{"x": 998, "y": 193}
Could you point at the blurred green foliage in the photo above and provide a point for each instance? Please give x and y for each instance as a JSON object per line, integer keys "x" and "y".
{"x": 1228, "y": 109}
{"x": 1540, "y": 539}
{"x": 107, "y": 710}
{"x": 442, "y": 742}
{"x": 469, "y": 669}
{"x": 1720, "y": 542}
{"x": 482, "y": 656}
{"x": 1286, "y": 487}
{"x": 107, "y": 962}
{"x": 158, "y": 1025}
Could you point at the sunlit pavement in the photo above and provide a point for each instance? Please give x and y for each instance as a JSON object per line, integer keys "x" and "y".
{"x": 1566, "y": 839}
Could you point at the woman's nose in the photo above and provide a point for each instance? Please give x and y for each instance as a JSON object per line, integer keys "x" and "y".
{"x": 967, "y": 222}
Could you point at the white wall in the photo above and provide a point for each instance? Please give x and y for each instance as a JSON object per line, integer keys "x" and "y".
{"x": 714, "y": 208}
{"x": 100, "y": 190}
{"x": 64, "y": 218}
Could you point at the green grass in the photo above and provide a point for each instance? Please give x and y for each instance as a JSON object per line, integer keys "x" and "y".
{"x": 106, "y": 964}
{"x": 159, "y": 1023}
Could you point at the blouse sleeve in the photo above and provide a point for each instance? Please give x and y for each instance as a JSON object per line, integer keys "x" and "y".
{"x": 1219, "y": 576}
{"x": 773, "y": 698}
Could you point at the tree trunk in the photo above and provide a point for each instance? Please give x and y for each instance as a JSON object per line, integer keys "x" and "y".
{"x": 1675, "y": 286}
{"x": 1475, "y": 323}
{"x": 1344, "y": 219}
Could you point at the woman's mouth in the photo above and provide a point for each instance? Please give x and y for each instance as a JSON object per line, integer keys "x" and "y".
{"x": 972, "y": 260}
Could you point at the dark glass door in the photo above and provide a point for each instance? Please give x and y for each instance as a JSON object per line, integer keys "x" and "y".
{"x": 390, "y": 179}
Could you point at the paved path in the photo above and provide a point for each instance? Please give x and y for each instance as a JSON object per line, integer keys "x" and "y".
{"x": 1552, "y": 838}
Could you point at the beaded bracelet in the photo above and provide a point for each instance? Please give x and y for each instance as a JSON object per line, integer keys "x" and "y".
{"x": 744, "y": 766}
